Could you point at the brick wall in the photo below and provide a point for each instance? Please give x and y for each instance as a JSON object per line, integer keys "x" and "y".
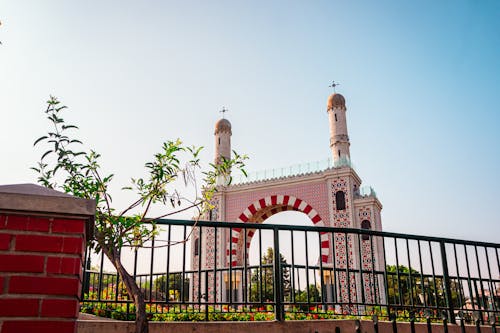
{"x": 40, "y": 273}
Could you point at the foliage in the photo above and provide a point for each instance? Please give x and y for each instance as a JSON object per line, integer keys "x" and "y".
{"x": 419, "y": 289}
{"x": 313, "y": 293}
{"x": 266, "y": 294}
{"x": 175, "y": 287}
{"x": 162, "y": 312}
{"x": 80, "y": 175}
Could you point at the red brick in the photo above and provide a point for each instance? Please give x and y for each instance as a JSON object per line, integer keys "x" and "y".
{"x": 56, "y": 244}
{"x": 38, "y": 243}
{"x": 35, "y": 326}
{"x": 57, "y": 265}
{"x": 4, "y": 241}
{"x": 21, "y": 263}
{"x": 68, "y": 226}
{"x": 1, "y": 284}
{"x": 73, "y": 245}
{"x": 27, "y": 223}
{"x": 61, "y": 308}
{"x": 22, "y": 307}
{"x": 43, "y": 285}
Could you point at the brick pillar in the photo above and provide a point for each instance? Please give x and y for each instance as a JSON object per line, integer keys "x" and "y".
{"x": 42, "y": 243}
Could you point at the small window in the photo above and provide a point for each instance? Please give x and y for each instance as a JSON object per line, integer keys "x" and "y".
{"x": 339, "y": 153}
{"x": 335, "y": 117}
{"x": 219, "y": 141}
{"x": 365, "y": 224}
{"x": 210, "y": 215}
{"x": 340, "y": 200}
{"x": 196, "y": 246}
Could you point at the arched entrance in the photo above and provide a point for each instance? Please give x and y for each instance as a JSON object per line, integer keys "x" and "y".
{"x": 264, "y": 208}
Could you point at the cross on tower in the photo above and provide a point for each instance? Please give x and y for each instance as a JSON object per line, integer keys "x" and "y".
{"x": 223, "y": 111}
{"x": 333, "y": 85}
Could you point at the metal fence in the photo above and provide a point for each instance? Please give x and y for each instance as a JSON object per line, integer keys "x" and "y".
{"x": 410, "y": 277}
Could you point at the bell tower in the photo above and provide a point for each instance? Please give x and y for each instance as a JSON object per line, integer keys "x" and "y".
{"x": 222, "y": 146}
{"x": 222, "y": 140}
{"x": 339, "y": 140}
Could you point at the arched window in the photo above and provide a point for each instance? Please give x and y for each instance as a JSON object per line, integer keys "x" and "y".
{"x": 196, "y": 247}
{"x": 340, "y": 200}
{"x": 365, "y": 224}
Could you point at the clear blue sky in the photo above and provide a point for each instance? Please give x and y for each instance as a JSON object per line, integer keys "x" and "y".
{"x": 421, "y": 81}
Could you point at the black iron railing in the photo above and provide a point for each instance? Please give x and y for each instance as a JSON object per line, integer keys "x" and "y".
{"x": 367, "y": 273}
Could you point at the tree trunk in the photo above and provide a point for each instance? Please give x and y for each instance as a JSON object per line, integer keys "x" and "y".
{"x": 141, "y": 321}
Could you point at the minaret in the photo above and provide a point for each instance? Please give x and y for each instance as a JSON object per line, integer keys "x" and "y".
{"x": 222, "y": 143}
{"x": 339, "y": 140}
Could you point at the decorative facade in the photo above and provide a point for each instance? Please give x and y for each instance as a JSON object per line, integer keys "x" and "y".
{"x": 330, "y": 198}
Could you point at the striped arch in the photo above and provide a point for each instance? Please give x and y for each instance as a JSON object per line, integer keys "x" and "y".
{"x": 261, "y": 209}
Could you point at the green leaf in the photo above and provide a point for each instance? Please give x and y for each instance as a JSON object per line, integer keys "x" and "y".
{"x": 40, "y": 139}
{"x": 64, "y": 127}
{"x": 46, "y": 153}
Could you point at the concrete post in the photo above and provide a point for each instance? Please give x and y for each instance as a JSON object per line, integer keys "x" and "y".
{"x": 42, "y": 243}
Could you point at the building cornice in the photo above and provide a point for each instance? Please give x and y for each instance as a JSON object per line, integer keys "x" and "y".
{"x": 318, "y": 176}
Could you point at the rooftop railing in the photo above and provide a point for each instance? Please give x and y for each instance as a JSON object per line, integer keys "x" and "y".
{"x": 292, "y": 170}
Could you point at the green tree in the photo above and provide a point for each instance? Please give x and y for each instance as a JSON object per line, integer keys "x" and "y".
{"x": 175, "y": 287}
{"x": 80, "y": 175}
{"x": 302, "y": 296}
{"x": 267, "y": 279}
{"x": 419, "y": 289}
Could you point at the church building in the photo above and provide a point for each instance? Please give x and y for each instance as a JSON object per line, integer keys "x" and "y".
{"x": 331, "y": 197}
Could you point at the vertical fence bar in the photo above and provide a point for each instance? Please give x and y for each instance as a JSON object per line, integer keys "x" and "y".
{"x": 99, "y": 298}
{"x": 480, "y": 282}
{"x": 321, "y": 278}
{"x": 200, "y": 253}
{"x": 422, "y": 278}
{"x": 245, "y": 267}
{"x": 183, "y": 276}
{"x": 360, "y": 260}
{"x": 167, "y": 278}
{"x": 206, "y": 295}
{"x": 447, "y": 285}
{"x": 469, "y": 282}
{"x": 85, "y": 282}
{"x": 293, "y": 268}
{"x": 214, "y": 291}
{"x": 397, "y": 273}
{"x": 458, "y": 284}
{"x": 334, "y": 265}
{"x": 410, "y": 274}
{"x": 230, "y": 277}
{"x": 348, "y": 275}
{"x": 135, "y": 277}
{"x": 374, "y": 292}
{"x": 386, "y": 283}
{"x": 307, "y": 273}
{"x": 118, "y": 278}
{"x": 433, "y": 275}
{"x": 260, "y": 266}
{"x": 278, "y": 286}
{"x": 151, "y": 269}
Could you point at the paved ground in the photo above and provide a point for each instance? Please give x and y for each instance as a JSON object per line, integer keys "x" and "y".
{"x": 86, "y": 316}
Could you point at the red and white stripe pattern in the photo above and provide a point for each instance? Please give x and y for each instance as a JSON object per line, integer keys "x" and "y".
{"x": 277, "y": 203}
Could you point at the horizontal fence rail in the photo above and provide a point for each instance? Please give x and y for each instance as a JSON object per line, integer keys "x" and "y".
{"x": 365, "y": 273}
